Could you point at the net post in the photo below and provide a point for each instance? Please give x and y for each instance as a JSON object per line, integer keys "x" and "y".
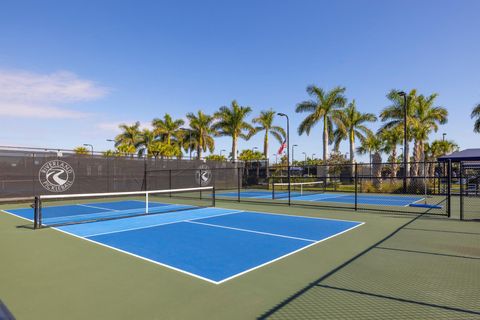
{"x": 273, "y": 189}
{"x": 213, "y": 197}
{"x": 356, "y": 186}
{"x": 35, "y": 214}
{"x": 146, "y": 202}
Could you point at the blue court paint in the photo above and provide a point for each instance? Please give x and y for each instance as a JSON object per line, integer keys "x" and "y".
{"x": 140, "y": 222}
{"x": 209, "y": 252}
{"x": 213, "y": 244}
{"x": 381, "y": 200}
{"x": 300, "y": 227}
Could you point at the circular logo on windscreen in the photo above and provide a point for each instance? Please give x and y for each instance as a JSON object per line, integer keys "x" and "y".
{"x": 56, "y": 176}
{"x": 203, "y": 175}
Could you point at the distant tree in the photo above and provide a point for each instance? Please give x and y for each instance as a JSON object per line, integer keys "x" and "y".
{"x": 216, "y": 157}
{"x": 393, "y": 114}
{"x": 265, "y": 123}
{"x": 126, "y": 149}
{"x": 351, "y": 125}
{"x": 324, "y": 106}
{"x": 82, "y": 151}
{"x": 232, "y": 123}
{"x": 427, "y": 118}
{"x": 129, "y": 136}
{"x": 249, "y": 155}
{"x": 391, "y": 139}
{"x": 200, "y": 133}
{"x": 167, "y": 128}
{"x": 476, "y": 115}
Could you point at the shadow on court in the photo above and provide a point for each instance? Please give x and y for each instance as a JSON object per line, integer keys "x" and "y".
{"x": 426, "y": 269}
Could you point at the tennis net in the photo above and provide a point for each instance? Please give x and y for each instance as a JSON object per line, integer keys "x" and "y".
{"x": 57, "y": 210}
{"x": 297, "y": 189}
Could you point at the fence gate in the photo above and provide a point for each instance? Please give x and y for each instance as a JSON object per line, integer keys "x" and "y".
{"x": 470, "y": 191}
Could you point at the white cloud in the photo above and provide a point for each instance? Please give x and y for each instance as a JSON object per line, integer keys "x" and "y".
{"x": 26, "y": 94}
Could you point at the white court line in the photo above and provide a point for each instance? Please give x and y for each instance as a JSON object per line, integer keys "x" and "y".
{"x": 94, "y": 207}
{"x": 247, "y": 230}
{"x": 286, "y": 255}
{"x": 138, "y": 256}
{"x": 161, "y": 224}
{"x": 234, "y": 276}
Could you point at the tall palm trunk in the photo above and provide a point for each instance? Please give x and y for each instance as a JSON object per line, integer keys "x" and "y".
{"x": 394, "y": 165}
{"x": 325, "y": 138}
{"x": 377, "y": 170}
{"x": 234, "y": 147}
{"x": 352, "y": 147}
{"x": 265, "y": 145}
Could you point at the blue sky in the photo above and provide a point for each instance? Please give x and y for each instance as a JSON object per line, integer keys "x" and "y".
{"x": 71, "y": 71}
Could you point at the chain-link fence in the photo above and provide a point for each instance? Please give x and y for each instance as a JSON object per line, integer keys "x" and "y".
{"x": 28, "y": 174}
{"x": 374, "y": 186}
{"x": 468, "y": 183}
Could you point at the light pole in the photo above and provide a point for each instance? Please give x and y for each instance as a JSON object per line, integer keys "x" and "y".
{"x": 288, "y": 152}
{"x": 222, "y": 151}
{"x": 89, "y": 145}
{"x": 293, "y": 152}
{"x": 443, "y": 136}
{"x": 405, "y": 143}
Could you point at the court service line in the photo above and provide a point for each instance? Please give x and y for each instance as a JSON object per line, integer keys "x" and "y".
{"x": 248, "y": 230}
{"x": 288, "y": 254}
{"x": 160, "y": 224}
{"x": 95, "y": 207}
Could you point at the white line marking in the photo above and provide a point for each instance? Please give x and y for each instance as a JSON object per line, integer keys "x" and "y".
{"x": 286, "y": 255}
{"x": 94, "y": 207}
{"x": 234, "y": 276}
{"x": 139, "y": 257}
{"x": 160, "y": 224}
{"x": 251, "y": 231}
{"x": 14, "y": 215}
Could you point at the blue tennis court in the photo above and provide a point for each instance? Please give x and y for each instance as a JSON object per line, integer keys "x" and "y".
{"x": 212, "y": 244}
{"x": 369, "y": 199}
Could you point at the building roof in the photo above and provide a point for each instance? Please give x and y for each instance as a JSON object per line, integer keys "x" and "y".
{"x": 464, "y": 155}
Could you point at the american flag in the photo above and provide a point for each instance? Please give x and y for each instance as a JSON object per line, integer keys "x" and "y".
{"x": 282, "y": 147}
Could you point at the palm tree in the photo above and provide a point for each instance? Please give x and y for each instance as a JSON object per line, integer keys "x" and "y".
{"x": 476, "y": 115}
{"x": 351, "y": 125}
{"x": 393, "y": 114}
{"x": 129, "y": 136}
{"x": 167, "y": 128}
{"x": 146, "y": 143}
{"x": 437, "y": 149}
{"x": 373, "y": 146}
{"x": 81, "y": 151}
{"x": 126, "y": 149}
{"x": 231, "y": 122}
{"x": 201, "y": 131}
{"x": 426, "y": 119}
{"x": 391, "y": 139}
{"x": 324, "y": 106}
{"x": 265, "y": 121}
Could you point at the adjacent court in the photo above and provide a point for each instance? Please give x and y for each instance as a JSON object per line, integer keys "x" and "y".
{"x": 370, "y": 199}
{"x": 212, "y": 244}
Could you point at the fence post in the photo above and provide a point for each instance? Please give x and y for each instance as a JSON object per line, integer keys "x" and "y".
{"x": 449, "y": 188}
{"x": 170, "y": 181}
{"x": 461, "y": 191}
{"x": 239, "y": 187}
{"x": 356, "y": 186}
